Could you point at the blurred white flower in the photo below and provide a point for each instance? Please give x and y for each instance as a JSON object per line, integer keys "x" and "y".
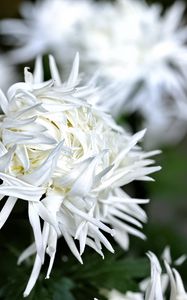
{"x": 44, "y": 28}
{"x": 144, "y": 55}
{"x": 68, "y": 160}
{"x": 154, "y": 290}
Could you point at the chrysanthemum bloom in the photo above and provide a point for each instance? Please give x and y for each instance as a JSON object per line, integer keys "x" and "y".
{"x": 156, "y": 285}
{"x": 144, "y": 56}
{"x": 45, "y": 27}
{"x": 68, "y": 160}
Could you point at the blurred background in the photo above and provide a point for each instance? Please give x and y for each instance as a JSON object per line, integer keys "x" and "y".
{"x": 167, "y": 224}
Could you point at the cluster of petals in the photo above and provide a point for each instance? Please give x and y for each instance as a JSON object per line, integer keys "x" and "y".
{"x": 68, "y": 160}
{"x": 157, "y": 285}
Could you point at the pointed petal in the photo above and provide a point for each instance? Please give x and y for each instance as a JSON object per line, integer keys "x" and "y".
{"x": 179, "y": 285}
{"x": 38, "y": 70}
{"x": 6, "y": 210}
{"x": 154, "y": 289}
{"x": 34, "y": 276}
{"x": 73, "y": 77}
{"x": 28, "y": 76}
{"x": 51, "y": 250}
{"x": 84, "y": 182}
{"x": 54, "y": 71}
{"x": 3, "y": 102}
{"x": 27, "y": 253}
{"x": 71, "y": 244}
{"x": 173, "y": 289}
{"x": 35, "y": 223}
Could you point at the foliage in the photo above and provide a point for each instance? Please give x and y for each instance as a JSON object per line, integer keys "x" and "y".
{"x": 71, "y": 280}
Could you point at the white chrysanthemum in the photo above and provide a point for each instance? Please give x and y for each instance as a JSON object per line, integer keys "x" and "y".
{"x": 155, "y": 290}
{"x": 44, "y": 28}
{"x": 68, "y": 160}
{"x": 144, "y": 56}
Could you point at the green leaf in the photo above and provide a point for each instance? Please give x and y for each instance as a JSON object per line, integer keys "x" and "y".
{"x": 121, "y": 274}
{"x": 62, "y": 289}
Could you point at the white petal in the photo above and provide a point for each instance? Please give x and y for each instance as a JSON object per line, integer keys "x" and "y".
{"x": 179, "y": 261}
{"x": 28, "y": 76}
{"x": 3, "y": 102}
{"x": 179, "y": 285}
{"x": 28, "y": 194}
{"x": 3, "y": 149}
{"x": 73, "y": 77}
{"x": 22, "y": 154}
{"x": 51, "y": 250}
{"x": 27, "y": 253}
{"x": 38, "y": 70}
{"x": 6, "y": 210}
{"x": 35, "y": 223}
{"x": 81, "y": 234}
{"x": 133, "y": 141}
{"x": 85, "y": 180}
{"x": 6, "y": 159}
{"x": 154, "y": 290}
{"x": 122, "y": 238}
{"x": 71, "y": 244}
{"x": 34, "y": 276}
{"x": 42, "y": 175}
{"x": 22, "y": 138}
{"x": 46, "y": 215}
{"x": 122, "y": 226}
{"x": 54, "y": 71}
